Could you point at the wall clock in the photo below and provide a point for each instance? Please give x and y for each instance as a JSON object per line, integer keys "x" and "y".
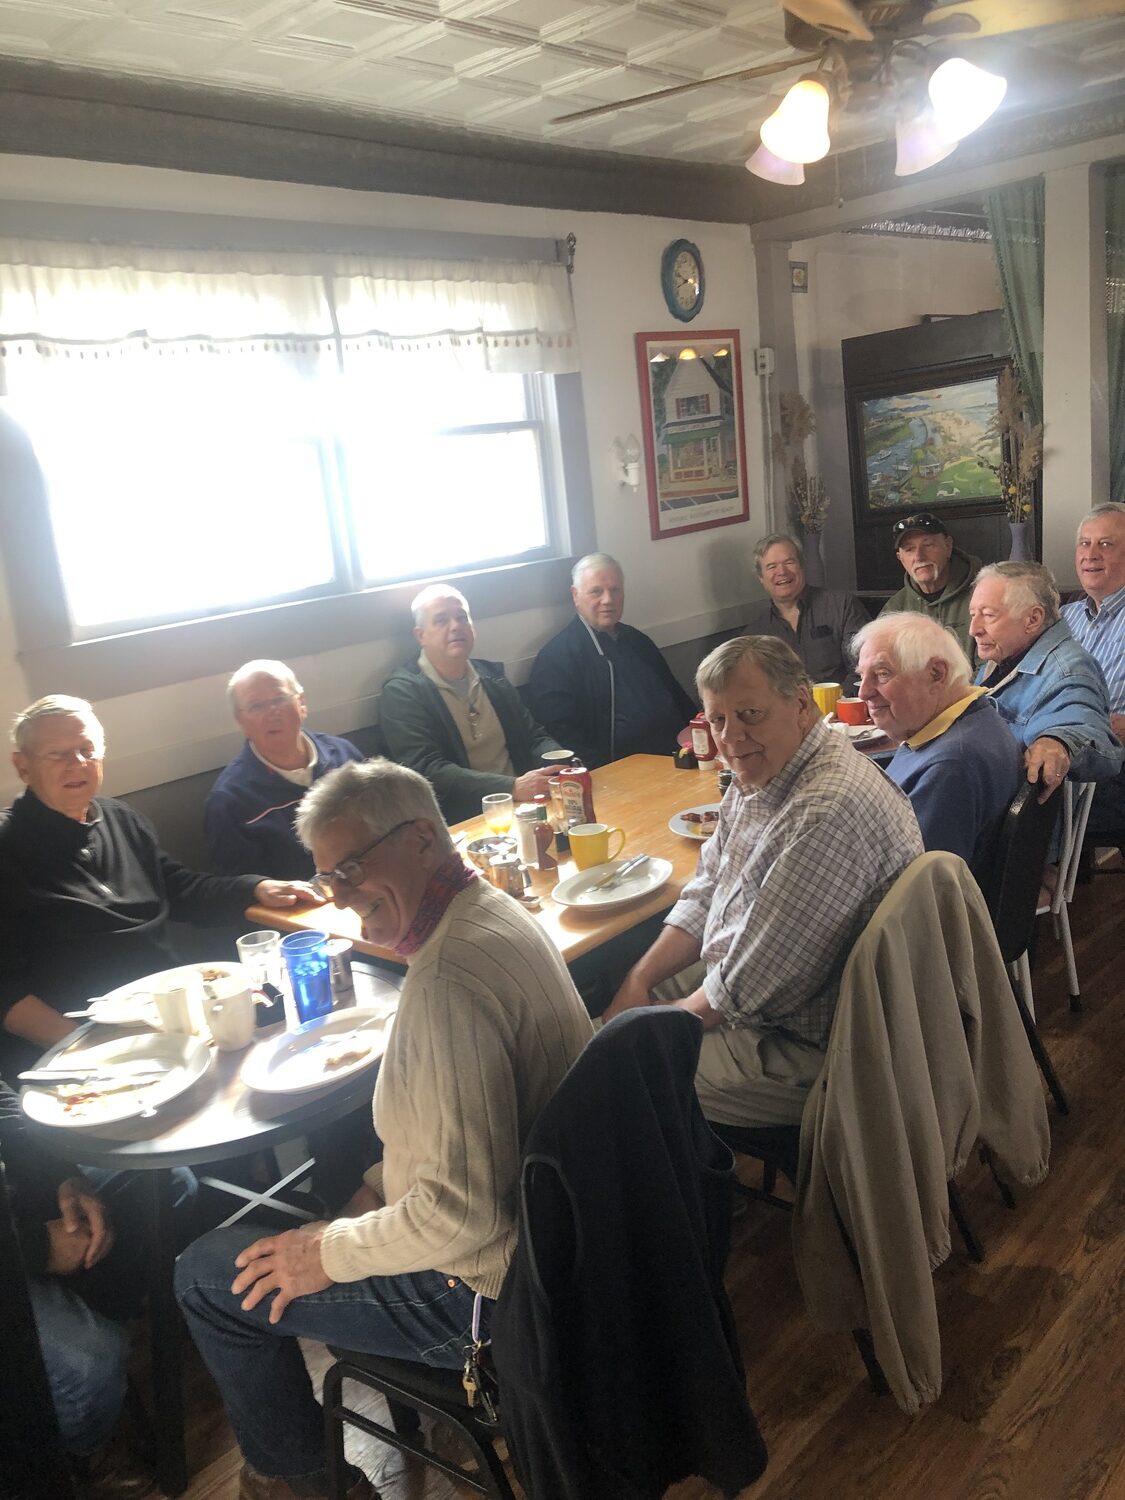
{"x": 681, "y": 279}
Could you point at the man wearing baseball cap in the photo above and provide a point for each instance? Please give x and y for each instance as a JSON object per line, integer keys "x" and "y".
{"x": 938, "y": 575}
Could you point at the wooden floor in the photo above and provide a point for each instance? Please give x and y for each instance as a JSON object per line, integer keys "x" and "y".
{"x": 1033, "y": 1340}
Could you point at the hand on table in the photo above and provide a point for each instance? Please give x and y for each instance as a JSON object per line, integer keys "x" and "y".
{"x": 533, "y": 784}
{"x": 84, "y": 1219}
{"x": 287, "y": 1263}
{"x": 282, "y": 893}
{"x": 1051, "y": 759}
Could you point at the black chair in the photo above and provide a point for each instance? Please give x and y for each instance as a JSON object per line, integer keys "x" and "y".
{"x": 412, "y": 1390}
{"x": 1013, "y": 900}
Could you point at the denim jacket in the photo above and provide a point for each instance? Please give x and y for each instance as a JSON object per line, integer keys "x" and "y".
{"x": 1059, "y": 690}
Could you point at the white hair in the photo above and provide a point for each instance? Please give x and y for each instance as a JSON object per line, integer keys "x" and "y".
{"x": 591, "y": 561}
{"x": 430, "y": 595}
{"x": 261, "y": 668}
{"x": 1026, "y": 584}
{"x": 1107, "y": 508}
{"x": 378, "y": 794}
{"x": 54, "y": 706}
{"x": 913, "y": 641}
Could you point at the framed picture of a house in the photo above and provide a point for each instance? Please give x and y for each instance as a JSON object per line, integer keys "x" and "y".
{"x": 695, "y": 446}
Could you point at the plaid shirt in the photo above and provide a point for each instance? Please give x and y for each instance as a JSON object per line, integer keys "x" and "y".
{"x": 1103, "y": 635}
{"x": 790, "y": 879}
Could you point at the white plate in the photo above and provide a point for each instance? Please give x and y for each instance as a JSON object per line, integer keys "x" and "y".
{"x": 132, "y": 1004}
{"x": 186, "y": 1057}
{"x": 576, "y": 890}
{"x": 295, "y": 1063}
{"x": 693, "y": 830}
{"x": 862, "y": 734}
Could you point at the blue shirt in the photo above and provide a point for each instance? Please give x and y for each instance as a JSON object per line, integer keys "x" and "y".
{"x": 1057, "y": 689}
{"x": 1102, "y": 633}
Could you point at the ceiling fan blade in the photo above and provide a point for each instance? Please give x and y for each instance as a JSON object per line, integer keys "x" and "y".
{"x": 977, "y": 18}
{"x": 796, "y": 61}
{"x": 839, "y": 17}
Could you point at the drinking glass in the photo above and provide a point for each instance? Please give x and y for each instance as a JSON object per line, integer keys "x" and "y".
{"x": 306, "y": 959}
{"x": 498, "y": 809}
{"x": 260, "y": 955}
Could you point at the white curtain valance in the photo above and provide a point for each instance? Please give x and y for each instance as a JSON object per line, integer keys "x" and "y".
{"x": 503, "y": 316}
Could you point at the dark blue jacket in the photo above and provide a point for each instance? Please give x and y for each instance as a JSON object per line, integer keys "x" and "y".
{"x": 249, "y": 812}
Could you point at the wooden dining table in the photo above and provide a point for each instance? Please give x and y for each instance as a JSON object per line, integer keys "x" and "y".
{"x": 639, "y": 795}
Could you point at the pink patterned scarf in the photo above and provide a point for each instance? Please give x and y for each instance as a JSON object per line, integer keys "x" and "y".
{"x": 450, "y": 878}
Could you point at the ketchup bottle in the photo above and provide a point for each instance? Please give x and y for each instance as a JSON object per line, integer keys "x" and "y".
{"x": 577, "y": 789}
{"x": 702, "y": 742}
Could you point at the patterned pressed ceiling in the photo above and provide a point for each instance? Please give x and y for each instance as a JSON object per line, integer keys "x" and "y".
{"x": 502, "y": 67}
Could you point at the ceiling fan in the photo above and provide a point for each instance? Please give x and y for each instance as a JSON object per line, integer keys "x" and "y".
{"x": 901, "y": 59}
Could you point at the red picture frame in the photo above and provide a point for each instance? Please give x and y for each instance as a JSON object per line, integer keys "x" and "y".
{"x": 694, "y": 434}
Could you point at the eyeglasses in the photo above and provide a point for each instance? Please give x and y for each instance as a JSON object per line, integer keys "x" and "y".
{"x": 349, "y": 872}
{"x": 262, "y": 706}
{"x": 87, "y": 756}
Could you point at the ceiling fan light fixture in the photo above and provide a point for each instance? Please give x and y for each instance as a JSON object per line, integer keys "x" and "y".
{"x": 964, "y": 96}
{"x": 771, "y": 168}
{"x": 797, "y": 131}
{"x": 920, "y": 143}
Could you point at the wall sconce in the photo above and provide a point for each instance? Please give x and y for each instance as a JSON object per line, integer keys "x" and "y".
{"x": 627, "y": 461}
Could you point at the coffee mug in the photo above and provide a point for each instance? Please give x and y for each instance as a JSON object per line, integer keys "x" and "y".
{"x": 826, "y": 695}
{"x": 553, "y": 759}
{"x": 852, "y": 711}
{"x": 229, "y": 1013}
{"x": 589, "y": 843}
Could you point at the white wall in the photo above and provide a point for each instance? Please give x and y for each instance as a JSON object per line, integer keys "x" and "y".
{"x": 677, "y": 589}
{"x": 868, "y": 284}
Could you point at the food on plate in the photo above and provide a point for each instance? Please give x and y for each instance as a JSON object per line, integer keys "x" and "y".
{"x": 344, "y": 1058}
{"x": 692, "y": 817}
{"x": 209, "y": 976}
{"x": 77, "y": 1100}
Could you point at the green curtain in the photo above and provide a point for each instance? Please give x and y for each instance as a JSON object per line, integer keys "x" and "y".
{"x": 1016, "y": 215}
{"x": 1115, "y": 324}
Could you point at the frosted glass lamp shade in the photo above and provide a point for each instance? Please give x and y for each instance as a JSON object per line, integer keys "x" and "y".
{"x": 963, "y": 96}
{"x": 773, "y": 168}
{"x": 798, "y": 128}
{"x": 920, "y": 144}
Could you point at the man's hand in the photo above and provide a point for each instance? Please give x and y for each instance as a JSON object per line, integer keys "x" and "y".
{"x": 1051, "y": 759}
{"x": 84, "y": 1217}
{"x": 630, "y": 996}
{"x": 281, "y": 893}
{"x": 287, "y": 1263}
{"x": 66, "y": 1249}
{"x": 1117, "y": 724}
{"x": 533, "y": 784}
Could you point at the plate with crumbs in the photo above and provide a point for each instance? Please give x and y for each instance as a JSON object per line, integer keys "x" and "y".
{"x": 319, "y": 1053}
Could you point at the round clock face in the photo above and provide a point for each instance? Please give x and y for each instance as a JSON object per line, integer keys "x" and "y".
{"x": 681, "y": 275}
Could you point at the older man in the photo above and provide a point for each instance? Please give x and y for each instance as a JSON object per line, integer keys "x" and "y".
{"x": 488, "y": 1024}
{"x": 1047, "y": 687}
{"x": 458, "y": 720}
{"x": 85, "y": 891}
{"x": 1097, "y": 622}
{"x": 601, "y": 687}
{"x": 816, "y": 622}
{"x": 938, "y": 576}
{"x": 956, "y": 759}
{"x": 249, "y": 812}
{"x": 810, "y": 839}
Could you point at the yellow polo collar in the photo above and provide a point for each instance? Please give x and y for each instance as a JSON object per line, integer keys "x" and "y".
{"x": 948, "y": 717}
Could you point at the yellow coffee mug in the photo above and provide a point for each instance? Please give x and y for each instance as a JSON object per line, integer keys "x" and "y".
{"x": 589, "y": 843}
{"x": 826, "y": 695}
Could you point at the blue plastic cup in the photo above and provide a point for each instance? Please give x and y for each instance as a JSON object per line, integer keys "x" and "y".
{"x": 310, "y": 977}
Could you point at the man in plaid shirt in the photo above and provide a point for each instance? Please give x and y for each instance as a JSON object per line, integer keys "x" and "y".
{"x": 811, "y": 837}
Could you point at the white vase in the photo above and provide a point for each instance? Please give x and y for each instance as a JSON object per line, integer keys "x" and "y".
{"x": 1023, "y": 541}
{"x": 814, "y": 563}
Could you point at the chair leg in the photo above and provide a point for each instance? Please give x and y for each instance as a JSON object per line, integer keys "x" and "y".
{"x": 769, "y": 1176}
{"x": 1039, "y": 1052}
{"x": 965, "y": 1229}
{"x": 1001, "y": 1186}
{"x": 1071, "y": 967}
{"x": 874, "y": 1369}
{"x": 334, "y": 1432}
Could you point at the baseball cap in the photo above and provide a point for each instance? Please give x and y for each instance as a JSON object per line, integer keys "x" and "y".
{"x": 923, "y": 521}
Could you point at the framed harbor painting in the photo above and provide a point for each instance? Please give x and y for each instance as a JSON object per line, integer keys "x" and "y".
{"x": 694, "y": 440}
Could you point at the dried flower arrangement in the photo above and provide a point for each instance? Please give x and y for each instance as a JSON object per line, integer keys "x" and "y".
{"x": 807, "y": 499}
{"x": 1021, "y": 442}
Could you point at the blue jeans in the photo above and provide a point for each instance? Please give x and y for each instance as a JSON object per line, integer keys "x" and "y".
{"x": 85, "y": 1354}
{"x": 258, "y": 1367}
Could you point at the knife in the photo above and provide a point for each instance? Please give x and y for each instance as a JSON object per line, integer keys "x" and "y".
{"x": 87, "y": 1074}
{"x": 628, "y": 868}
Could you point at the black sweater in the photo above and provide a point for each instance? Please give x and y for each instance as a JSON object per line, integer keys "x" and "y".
{"x": 33, "y": 1179}
{"x": 84, "y": 907}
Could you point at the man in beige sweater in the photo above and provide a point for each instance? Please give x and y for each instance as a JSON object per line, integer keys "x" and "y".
{"x": 487, "y": 1026}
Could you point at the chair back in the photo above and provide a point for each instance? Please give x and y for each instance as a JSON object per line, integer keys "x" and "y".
{"x": 1021, "y": 856}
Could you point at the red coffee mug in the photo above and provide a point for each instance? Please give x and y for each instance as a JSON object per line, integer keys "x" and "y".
{"x": 852, "y": 711}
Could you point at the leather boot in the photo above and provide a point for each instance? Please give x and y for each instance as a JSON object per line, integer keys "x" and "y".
{"x": 113, "y": 1472}
{"x": 255, "y": 1486}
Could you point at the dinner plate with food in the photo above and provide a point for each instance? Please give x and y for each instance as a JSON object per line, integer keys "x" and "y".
{"x": 109, "y": 1082}
{"x": 696, "y": 822}
{"x": 134, "y": 1004}
{"x": 318, "y": 1053}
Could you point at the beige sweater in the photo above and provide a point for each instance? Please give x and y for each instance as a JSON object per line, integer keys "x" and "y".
{"x": 927, "y": 1055}
{"x": 488, "y": 1023}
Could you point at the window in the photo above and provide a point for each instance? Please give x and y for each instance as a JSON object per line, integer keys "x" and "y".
{"x": 693, "y": 406}
{"x": 223, "y": 482}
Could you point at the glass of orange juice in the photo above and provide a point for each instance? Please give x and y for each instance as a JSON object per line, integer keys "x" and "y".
{"x": 499, "y": 810}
